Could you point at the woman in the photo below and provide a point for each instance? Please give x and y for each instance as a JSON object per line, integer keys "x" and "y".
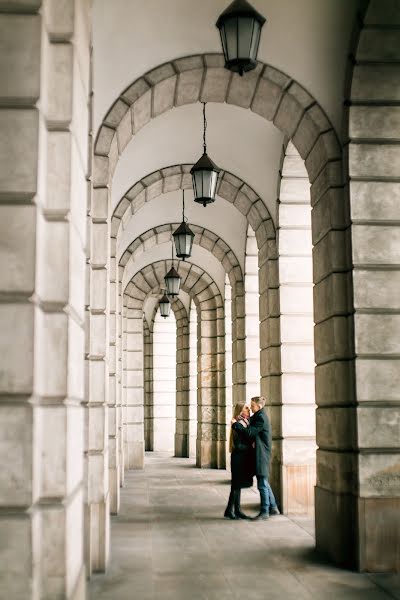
{"x": 242, "y": 463}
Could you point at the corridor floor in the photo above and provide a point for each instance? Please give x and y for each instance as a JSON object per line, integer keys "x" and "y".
{"x": 170, "y": 542}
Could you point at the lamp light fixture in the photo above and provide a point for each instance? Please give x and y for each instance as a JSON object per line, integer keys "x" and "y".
{"x": 172, "y": 279}
{"x": 183, "y": 236}
{"x": 165, "y": 306}
{"x": 240, "y": 30}
{"x": 204, "y": 173}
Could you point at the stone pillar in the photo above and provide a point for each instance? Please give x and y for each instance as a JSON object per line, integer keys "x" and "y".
{"x": 134, "y": 390}
{"x": 148, "y": 387}
{"x": 298, "y": 450}
{"x": 124, "y": 392}
{"x": 374, "y": 159}
{"x": 98, "y": 500}
{"x": 119, "y": 386}
{"x": 42, "y": 261}
{"x": 228, "y": 361}
{"x": 270, "y": 359}
{"x": 210, "y": 448}
{"x": 113, "y": 409}
{"x": 252, "y": 317}
{"x": 182, "y": 381}
{"x": 164, "y": 377}
{"x": 192, "y": 380}
{"x": 238, "y": 343}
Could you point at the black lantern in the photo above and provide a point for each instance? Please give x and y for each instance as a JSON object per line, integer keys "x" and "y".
{"x": 204, "y": 173}
{"x": 172, "y": 279}
{"x": 183, "y": 236}
{"x": 240, "y": 29}
{"x": 165, "y": 306}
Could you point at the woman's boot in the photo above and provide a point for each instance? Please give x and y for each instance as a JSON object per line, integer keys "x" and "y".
{"x": 229, "y": 512}
{"x": 239, "y": 514}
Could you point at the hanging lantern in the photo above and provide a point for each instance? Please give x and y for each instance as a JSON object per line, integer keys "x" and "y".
{"x": 172, "y": 282}
{"x": 240, "y": 29}
{"x": 183, "y": 236}
{"x": 165, "y": 306}
{"x": 172, "y": 279}
{"x": 204, "y": 173}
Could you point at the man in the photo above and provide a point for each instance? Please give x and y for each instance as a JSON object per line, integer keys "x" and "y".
{"x": 259, "y": 431}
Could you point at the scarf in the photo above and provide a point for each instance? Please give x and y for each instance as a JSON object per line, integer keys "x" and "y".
{"x": 243, "y": 420}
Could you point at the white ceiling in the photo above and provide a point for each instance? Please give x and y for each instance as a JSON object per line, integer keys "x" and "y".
{"x": 307, "y": 39}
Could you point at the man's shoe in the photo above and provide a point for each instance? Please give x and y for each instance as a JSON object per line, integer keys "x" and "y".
{"x": 262, "y": 516}
{"x": 240, "y": 515}
{"x": 274, "y": 511}
{"x": 229, "y": 514}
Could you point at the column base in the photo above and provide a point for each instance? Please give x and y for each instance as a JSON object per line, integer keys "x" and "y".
{"x": 379, "y": 532}
{"x": 135, "y": 455}
{"x": 98, "y": 524}
{"x": 79, "y": 592}
{"x": 114, "y": 483}
{"x": 210, "y": 454}
{"x": 298, "y": 483}
{"x": 182, "y": 445}
{"x": 336, "y": 534}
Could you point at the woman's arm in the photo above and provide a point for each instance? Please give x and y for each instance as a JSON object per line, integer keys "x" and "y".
{"x": 250, "y": 432}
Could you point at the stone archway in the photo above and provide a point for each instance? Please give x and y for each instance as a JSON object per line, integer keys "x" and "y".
{"x": 274, "y": 96}
{"x": 205, "y": 293}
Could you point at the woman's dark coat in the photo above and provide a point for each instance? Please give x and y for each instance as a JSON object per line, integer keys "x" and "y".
{"x": 242, "y": 462}
{"x": 259, "y": 431}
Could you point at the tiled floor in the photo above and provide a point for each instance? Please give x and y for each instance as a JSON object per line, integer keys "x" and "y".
{"x": 170, "y": 542}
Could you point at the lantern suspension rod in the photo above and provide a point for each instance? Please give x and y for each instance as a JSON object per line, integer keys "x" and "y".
{"x": 204, "y": 128}
{"x": 183, "y": 204}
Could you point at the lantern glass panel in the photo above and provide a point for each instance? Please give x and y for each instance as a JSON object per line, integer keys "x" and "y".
{"x": 165, "y": 307}
{"x": 245, "y": 33}
{"x": 172, "y": 282}
{"x": 255, "y": 40}
{"x": 231, "y": 36}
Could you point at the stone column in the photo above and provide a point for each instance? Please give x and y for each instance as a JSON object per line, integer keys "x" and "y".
{"x": 238, "y": 343}
{"x": 124, "y": 355}
{"x": 182, "y": 381}
{"x": 228, "y": 361}
{"x": 134, "y": 389}
{"x": 252, "y": 317}
{"x": 270, "y": 359}
{"x": 210, "y": 448}
{"x": 192, "y": 380}
{"x": 119, "y": 386}
{"x": 98, "y": 500}
{"x": 113, "y": 409}
{"x": 43, "y": 235}
{"x": 374, "y": 159}
{"x": 148, "y": 387}
{"x": 297, "y": 347}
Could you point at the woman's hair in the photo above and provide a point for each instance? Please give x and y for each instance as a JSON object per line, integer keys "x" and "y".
{"x": 239, "y": 406}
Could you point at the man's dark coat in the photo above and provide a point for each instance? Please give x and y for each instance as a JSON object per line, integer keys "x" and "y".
{"x": 258, "y": 431}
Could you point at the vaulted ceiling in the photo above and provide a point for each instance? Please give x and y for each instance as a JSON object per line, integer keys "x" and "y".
{"x": 309, "y": 40}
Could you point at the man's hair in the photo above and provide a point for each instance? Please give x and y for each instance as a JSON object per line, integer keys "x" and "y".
{"x": 260, "y": 400}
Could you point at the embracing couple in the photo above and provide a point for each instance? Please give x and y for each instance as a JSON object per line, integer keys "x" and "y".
{"x": 250, "y": 447}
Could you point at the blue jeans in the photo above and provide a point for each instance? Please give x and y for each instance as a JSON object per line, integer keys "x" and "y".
{"x": 267, "y": 497}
